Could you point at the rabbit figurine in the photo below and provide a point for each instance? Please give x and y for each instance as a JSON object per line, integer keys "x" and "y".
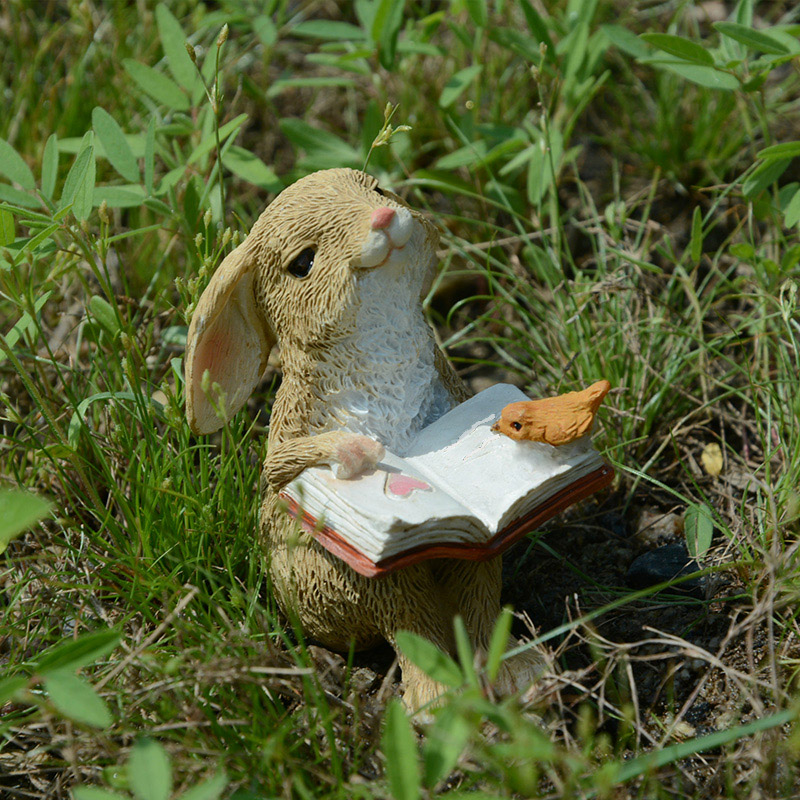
{"x": 335, "y": 271}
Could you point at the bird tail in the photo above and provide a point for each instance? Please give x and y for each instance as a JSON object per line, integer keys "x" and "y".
{"x": 595, "y": 393}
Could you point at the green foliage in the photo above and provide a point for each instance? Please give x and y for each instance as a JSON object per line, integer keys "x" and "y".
{"x": 18, "y": 512}
{"x": 149, "y": 771}
{"x": 174, "y": 41}
{"x": 772, "y": 163}
{"x": 724, "y": 67}
{"x": 14, "y": 167}
{"x": 75, "y": 654}
{"x": 149, "y": 777}
{"x": 94, "y": 793}
{"x": 6, "y": 228}
{"x": 458, "y": 84}
{"x": 699, "y": 529}
{"x": 116, "y": 146}
{"x": 66, "y": 693}
{"x": 498, "y": 643}
{"x": 157, "y": 85}
{"x": 445, "y": 742}
{"x": 76, "y": 700}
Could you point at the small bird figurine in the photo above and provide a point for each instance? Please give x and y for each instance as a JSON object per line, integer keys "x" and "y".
{"x": 553, "y": 420}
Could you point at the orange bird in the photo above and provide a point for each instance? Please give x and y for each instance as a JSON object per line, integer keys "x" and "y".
{"x": 554, "y": 420}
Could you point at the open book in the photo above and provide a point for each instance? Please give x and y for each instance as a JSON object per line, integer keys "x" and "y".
{"x": 459, "y": 491}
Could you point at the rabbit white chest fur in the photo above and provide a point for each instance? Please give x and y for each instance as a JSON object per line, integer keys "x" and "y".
{"x": 381, "y": 381}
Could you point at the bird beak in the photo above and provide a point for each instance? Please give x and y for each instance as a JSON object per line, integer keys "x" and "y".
{"x": 496, "y": 427}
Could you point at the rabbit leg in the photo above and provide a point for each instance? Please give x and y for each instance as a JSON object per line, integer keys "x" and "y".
{"x": 337, "y": 606}
{"x": 473, "y": 588}
{"x": 332, "y": 604}
{"x": 411, "y": 601}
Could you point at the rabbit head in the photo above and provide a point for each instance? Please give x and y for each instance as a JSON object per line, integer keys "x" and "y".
{"x": 295, "y": 280}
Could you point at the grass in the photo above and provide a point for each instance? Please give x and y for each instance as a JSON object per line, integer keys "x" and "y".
{"x": 610, "y": 206}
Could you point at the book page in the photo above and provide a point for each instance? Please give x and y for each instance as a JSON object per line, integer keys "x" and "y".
{"x": 385, "y": 511}
{"x": 497, "y": 478}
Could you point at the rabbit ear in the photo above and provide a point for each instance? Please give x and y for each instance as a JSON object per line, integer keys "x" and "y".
{"x": 230, "y": 338}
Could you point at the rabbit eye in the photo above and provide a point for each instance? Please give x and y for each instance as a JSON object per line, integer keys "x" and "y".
{"x": 301, "y": 264}
{"x": 517, "y": 426}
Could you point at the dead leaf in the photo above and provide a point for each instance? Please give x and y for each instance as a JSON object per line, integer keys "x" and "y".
{"x": 712, "y": 459}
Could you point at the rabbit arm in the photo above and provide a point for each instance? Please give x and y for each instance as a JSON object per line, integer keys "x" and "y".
{"x": 351, "y": 452}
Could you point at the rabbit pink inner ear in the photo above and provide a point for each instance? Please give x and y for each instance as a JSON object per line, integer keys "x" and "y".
{"x": 230, "y": 340}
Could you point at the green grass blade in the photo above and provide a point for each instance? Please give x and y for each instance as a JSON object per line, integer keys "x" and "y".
{"x": 498, "y": 643}
{"x": 7, "y": 233}
{"x": 668, "y": 755}
{"x": 399, "y": 745}
{"x": 458, "y": 84}
{"x": 478, "y": 12}
{"x": 149, "y": 156}
{"x": 430, "y": 659}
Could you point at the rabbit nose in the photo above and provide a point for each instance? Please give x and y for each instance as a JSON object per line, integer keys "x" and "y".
{"x": 381, "y": 218}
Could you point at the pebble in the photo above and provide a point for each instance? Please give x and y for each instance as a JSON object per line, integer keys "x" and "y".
{"x": 664, "y": 564}
{"x": 657, "y": 527}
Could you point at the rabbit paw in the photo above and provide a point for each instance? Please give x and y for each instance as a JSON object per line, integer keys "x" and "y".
{"x": 355, "y": 454}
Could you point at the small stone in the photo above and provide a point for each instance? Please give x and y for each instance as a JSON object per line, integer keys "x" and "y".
{"x": 683, "y": 730}
{"x": 664, "y": 564}
{"x": 726, "y": 719}
{"x": 698, "y": 712}
{"x": 363, "y": 680}
{"x": 657, "y": 527}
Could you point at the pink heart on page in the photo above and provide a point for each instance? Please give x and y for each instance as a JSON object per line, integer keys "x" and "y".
{"x": 400, "y": 485}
